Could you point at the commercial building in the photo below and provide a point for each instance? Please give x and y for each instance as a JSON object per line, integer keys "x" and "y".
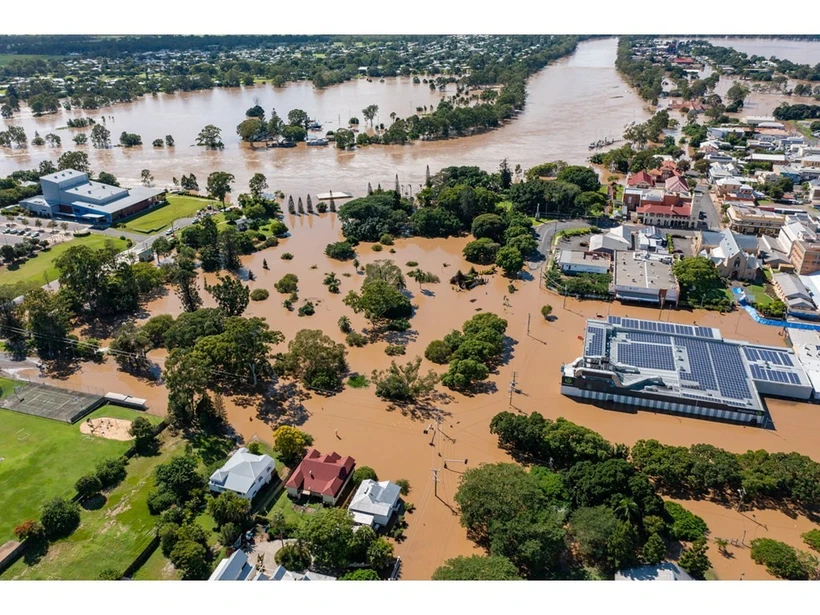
{"x": 798, "y": 238}
{"x": 681, "y": 369}
{"x": 70, "y": 193}
{"x": 791, "y": 291}
{"x": 806, "y": 345}
{"x": 748, "y": 220}
{"x": 575, "y": 261}
{"x": 645, "y": 277}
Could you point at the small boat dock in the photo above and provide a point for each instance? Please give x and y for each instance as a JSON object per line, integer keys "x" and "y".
{"x": 332, "y": 196}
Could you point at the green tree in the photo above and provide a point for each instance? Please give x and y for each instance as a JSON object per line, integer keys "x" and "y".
{"x": 230, "y": 294}
{"x": 290, "y": 443}
{"x": 591, "y": 528}
{"x": 360, "y": 574}
{"x": 59, "y": 518}
{"x": 211, "y": 137}
{"x": 108, "y": 178}
{"x": 695, "y": 561}
{"x": 464, "y": 373}
{"x": 490, "y": 226}
{"x": 481, "y": 251}
{"x": 49, "y": 322}
{"x": 179, "y": 476}
{"x": 129, "y": 348}
{"x": 369, "y": 113}
{"x": 363, "y": 473}
{"x": 111, "y": 472}
{"x": 340, "y": 250}
{"x": 328, "y": 533}
{"x": 100, "y": 136}
{"x": 685, "y": 524}
{"x": 404, "y": 383}
{"x": 74, "y": 160}
{"x": 219, "y": 185}
{"x": 583, "y": 177}
{"x": 143, "y": 433}
{"x": 380, "y": 553}
{"x": 257, "y": 184}
{"x": 438, "y": 351}
{"x": 315, "y": 359}
{"x": 190, "y": 558}
{"x": 477, "y": 568}
{"x": 510, "y": 260}
{"x": 228, "y": 507}
{"x": 184, "y": 279}
{"x": 384, "y": 271}
{"x": 88, "y": 485}
{"x": 654, "y": 551}
{"x": 380, "y": 302}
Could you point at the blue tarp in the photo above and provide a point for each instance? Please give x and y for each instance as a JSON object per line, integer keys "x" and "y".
{"x": 741, "y": 299}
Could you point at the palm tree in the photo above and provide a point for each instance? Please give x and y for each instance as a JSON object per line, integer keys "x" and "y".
{"x": 278, "y": 523}
{"x": 344, "y": 324}
{"x": 627, "y": 510}
{"x": 721, "y": 543}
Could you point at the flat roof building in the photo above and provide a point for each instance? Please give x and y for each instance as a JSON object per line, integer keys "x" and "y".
{"x": 70, "y": 193}
{"x": 645, "y": 277}
{"x": 575, "y": 261}
{"x": 681, "y": 369}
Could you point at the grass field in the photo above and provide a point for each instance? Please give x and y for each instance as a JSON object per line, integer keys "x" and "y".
{"x": 758, "y": 294}
{"x": 40, "y": 269}
{"x": 6, "y": 58}
{"x": 158, "y": 219}
{"x": 42, "y": 459}
{"x": 110, "y": 536}
{"x": 6, "y": 386}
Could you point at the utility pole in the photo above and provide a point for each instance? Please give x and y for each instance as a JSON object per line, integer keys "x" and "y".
{"x": 528, "y": 323}
{"x": 435, "y": 481}
{"x": 512, "y": 388}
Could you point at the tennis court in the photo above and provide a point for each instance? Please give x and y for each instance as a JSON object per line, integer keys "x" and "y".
{"x": 47, "y": 401}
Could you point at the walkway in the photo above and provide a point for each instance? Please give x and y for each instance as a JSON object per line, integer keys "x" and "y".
{"x": 740, "y": 296}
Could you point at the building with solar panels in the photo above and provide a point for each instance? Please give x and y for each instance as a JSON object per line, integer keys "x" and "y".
{"x": 681, "y": 369}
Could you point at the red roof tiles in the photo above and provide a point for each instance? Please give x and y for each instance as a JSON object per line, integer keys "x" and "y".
{"x": 318, "y": 473}
{"x": 641, "y": 177}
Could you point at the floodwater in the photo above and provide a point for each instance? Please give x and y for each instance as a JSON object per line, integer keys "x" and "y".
{"x": 393, "y": 442}
{"x": 798, "y": 51}
{"x": 572, "y": 102}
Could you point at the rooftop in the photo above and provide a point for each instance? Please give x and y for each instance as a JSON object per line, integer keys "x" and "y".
{"x": 241, "y": 471}
{"x": 318, "y": 473}
{"x": 577, "y": 257}
{"x": 643, "y": 269}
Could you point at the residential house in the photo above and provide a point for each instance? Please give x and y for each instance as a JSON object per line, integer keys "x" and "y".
{"x": 618, "y": 238}
{"x": 791, "y": 290}
{"x": 812, "y": 161}
{"x": 719, "y": 170}
{"x": 734, "y": 256}
{"x": 667, "y": 571}
{"x": 677, "y": 185}
{"x": 283, "y": 574}
{"x": 244, "y": 474}
{"x": 727, "y": 185}
{"x": 374, "y": 503}
{"x": 236, "y": 567}
{"x": 650, "y": 239}
{"x": 641, "y": 179}
{"x": 575, "y": 261}
{"x": 321, "y": 475}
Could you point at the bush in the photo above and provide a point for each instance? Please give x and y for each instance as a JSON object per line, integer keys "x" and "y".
{"x": 359, "y": 381}
{"x": 288, "y": 284}
{"x": 685, "y": 525}
{"x": 399, "y": 324}
{"x": 363, "y": 473}
{"x": 160, "y": 500}
{"x": 395, "y": 350}
{"x": 404, "y": 485}
{"x": 812, "y": 538}
{"x": 29, "y": 529}
{"x": 376, "y": 247}
{"x": 354, "y": 338}
{"x": 287, "y": 256}
{"x": 271, "y": 242}
{"x": 294, "y": 557}
{"x": 278, "y": 228}
{"x": 362, "y": 574}
{"x": 386, "y": 239}
{"x": 111, "y": 472}
{"x": 259, "y": 294}
{"x": 481, "y": 251}
{"x": 307, "y": 309}
{"x": 88, "y": 485}
{"x": 546, "y": 311}
{"x": 438, "y": 351}
{"x": 344, "y": 324}
{"x": 59, "y": 518}
{"x": 780, "y": 559}
{"x": 109, "y": 574}
{"x": 341, "y": 250}
{"x": 411, "y": 264}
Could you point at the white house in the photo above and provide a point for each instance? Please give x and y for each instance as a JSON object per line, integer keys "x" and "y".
{"x": 667, "y": 571}
{"x": 374, "y": 503}
{"x": 244, "y": 474}
{"x": 574, "y": 261}
{"x": 238, "y": 568}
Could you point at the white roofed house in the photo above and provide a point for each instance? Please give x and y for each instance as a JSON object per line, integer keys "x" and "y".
{"x": 374, "y": 503}
{"x": 244, "y": 474}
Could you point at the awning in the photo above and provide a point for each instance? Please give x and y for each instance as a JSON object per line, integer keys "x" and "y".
{"x": 92, "y": 217}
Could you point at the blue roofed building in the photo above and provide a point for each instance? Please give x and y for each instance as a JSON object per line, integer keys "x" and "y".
{"x": 70, "y": 193}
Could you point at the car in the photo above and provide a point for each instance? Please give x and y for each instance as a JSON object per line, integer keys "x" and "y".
{"x": 169, "y": 232}
{"x": 6, "y": 231}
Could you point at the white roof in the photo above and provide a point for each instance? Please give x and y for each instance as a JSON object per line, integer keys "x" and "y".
{"x": 667, "y": 571}
{"x": 374, "y": 498}
{"x": 235, "y": 568}
{"x": 283, "y": 574}
{"x": 241, "y": 471}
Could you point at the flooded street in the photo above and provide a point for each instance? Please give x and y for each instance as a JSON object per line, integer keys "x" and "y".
{"x": 393, "y": 442}
{"x": 570, "y": 103}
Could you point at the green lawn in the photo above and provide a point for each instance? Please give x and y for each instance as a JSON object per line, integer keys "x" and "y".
{"x": 758, "y": 294}
{"x": 40, "y": 269}
{"x": 6, "y": 386}
{"x": 158, "y": 219}
{"x": 108, "y": 537}
{"x": 42, "y": 459}
{"x": 6, "y": 58}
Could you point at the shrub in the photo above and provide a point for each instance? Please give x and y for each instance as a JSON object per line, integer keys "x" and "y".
{"x": 354, "y": 338}
{"x": 160, "y": 500}
{"x": 271, "y": 242}
{"x": 411, "y": 264}
{"x": 546, "y": 311}
{"x": 438, "y": 351}
{"x": 780, "y": 559}
{"x": 88, "y": 485}
{"x": 812, "y": 538}
{"x": 287, "y": 256}
{"x": 341, "y": 250}
{"x": 395, "y": 350}
{"x": 359, "y": 381}
{"x": 363, "y": 473}
{"x": 399, "y": 324}
{"x": 685, "y": 524}
{"x": 278, "y": 228}
{"x": 255, "y": 448}
{"x": 362, "y": 574}
{"x": 59, "y": 517}
{"x": 386, "y": 239}
{"x": 293, "y": 556}
{"x": 307, "y": 309}
{"x": 288, "y": 284}
{"x": 29, "y": 529}
{"x": 109, "y": 574}
{"x": 404, "y": 486}
{"x": 376, "y": 247}
{"x": 111, "y": 472}
{"x": 259, "y": 294}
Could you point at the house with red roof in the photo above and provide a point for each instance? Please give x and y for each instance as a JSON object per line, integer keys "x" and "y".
{"x": 321, "y": 475}
{"x": 641, "y": 179}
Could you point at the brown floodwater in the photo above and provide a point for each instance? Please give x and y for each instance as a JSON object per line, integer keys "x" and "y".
{"x": 576, "y": 100}
{"x": 798, "y": 51}
{"x": 392, "y": 440}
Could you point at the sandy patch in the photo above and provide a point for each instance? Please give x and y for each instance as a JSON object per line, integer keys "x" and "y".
{"x": 112, "y": 429}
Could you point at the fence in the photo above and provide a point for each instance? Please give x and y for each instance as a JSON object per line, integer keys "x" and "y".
{"x": 788, "y": 324}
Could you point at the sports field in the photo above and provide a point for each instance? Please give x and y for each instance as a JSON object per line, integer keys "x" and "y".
{"x": 159, "y": 219}
{"x": 42, "y": 459}
{"x": 110, "y": 536}
{"x": 40, "y": 269}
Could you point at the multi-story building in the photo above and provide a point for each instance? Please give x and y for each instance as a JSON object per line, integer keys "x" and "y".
{"x": 799, "y": 240}
{"x": 734, "y": 256}
{"x": 645, "y": 277}
{"x": 749, "y": 220}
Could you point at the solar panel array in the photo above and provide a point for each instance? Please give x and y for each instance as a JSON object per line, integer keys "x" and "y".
{"x": 733, "y": 382}
{"x": 774, "y": 357}
{"x": 650, "y": 338}
{"x": 663, "y": 327}
{"x": 648, "y": 356}
{"x": 595, "y": 342}
{"x": 773, "y": 375}
{"x": 700, "y": 363}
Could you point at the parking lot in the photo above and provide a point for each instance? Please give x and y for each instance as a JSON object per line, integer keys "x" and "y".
{"x": 15, "y": 232}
